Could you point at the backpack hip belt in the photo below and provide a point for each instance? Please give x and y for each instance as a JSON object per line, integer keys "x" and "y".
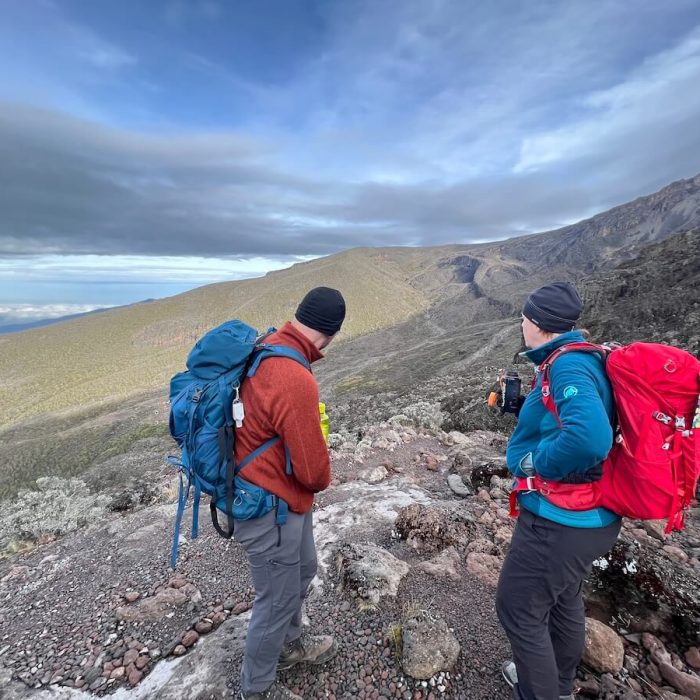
{"x": 568, "y": 496}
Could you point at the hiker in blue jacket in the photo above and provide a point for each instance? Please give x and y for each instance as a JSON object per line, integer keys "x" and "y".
{"x": 539, "y": 599}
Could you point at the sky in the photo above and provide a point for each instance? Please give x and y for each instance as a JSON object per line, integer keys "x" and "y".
{"x": 151, "y": 147}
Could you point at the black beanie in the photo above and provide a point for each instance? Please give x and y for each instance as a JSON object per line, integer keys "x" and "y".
{"x": 322, "y": 309}
{"x": 554, "y": 308}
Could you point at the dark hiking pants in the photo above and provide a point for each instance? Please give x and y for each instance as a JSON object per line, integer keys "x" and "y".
{"x": 283, "y": 563}
{"x": 539, "y": 601}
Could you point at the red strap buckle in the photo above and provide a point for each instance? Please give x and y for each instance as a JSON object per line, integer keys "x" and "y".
{"x": 522, "y": 485}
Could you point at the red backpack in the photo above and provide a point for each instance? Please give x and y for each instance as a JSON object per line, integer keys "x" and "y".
{"x": 652, "y": 469}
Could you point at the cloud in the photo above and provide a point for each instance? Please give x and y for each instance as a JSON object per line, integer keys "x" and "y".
{"x": 25, "y": 313}
{"x": 658, "y": 103}
{"x": 94, "y": 49}
{"x": 137, "y": 270}
{"x": 107, "y": 57}
{"x": 75, "y": 187}
{"x": 409, "y": 123}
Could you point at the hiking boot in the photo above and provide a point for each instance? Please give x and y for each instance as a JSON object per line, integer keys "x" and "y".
{"x": 307, "y": 649}
{"x": 274, "y": 692}
{"x": 510, "y": 674}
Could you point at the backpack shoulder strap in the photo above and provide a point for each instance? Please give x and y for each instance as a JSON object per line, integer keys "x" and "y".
{"x": 264, "y": 351}
{"x": 546, "y": 366}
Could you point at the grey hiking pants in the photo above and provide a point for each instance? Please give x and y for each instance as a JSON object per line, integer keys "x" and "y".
{"x": 282, "y": 563}
{"x": 539, "y": 601}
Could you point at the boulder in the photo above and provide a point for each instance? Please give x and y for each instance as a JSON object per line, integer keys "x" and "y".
{"x": 454, "y": 437}
{"x": 454, "y": 481}
{"x": 604, "y": 651}
{"x": 444, "y": 565}
{"x": 432, "y": 464}
{"x": 428, "y": 646}
{"x": 153, "y": 607}
{"x": 486, "y": 567}
{"x": 670, "y": 695}
{"x": 685, "y": 683}
{"x": 190, "y": 638}
{"x": 656, "y": 529}
{"x": 692, "y": 658}
{"x": 427, "y": 528}
{"x": 374, "y": 475}
{"x": 336, "y": 441}
{"x": 370, "y": 572}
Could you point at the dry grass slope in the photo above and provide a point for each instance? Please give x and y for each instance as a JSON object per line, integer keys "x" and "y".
{"x": 120, "y": 352}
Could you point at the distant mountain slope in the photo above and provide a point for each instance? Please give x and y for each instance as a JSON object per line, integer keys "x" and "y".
{"x": 621, "y": 231}
{"x": 600, "y": 242}
{"x": 31, "y": 325}
{"x": 443, "y": 289}
{"x": 122, "y": 351}
{"x": 655, "y": 297}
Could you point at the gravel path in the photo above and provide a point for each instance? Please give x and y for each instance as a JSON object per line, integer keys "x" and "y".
{"x": 100, "y": 611}
{"x": 66, "y": 619}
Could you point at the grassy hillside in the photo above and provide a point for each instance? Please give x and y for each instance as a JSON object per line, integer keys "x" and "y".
{"x": 69, "y": 443}
{"x": 127, "y": 350}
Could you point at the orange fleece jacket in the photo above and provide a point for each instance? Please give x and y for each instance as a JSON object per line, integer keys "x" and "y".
{"x": 282, "y": 399}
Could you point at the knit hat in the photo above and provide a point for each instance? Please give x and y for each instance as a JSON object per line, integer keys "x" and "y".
{"x": 322, "y": 309}
{"x": 554, "y": 308}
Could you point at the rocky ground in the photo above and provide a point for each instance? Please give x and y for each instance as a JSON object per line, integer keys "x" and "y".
{"x": 411, "y": 537}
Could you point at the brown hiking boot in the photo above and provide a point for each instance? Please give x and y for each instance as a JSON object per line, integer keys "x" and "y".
{"x": 307, "y": 649}
{"x": 274, "y": 692}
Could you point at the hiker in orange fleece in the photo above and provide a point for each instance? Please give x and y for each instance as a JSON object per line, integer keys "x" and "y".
{"x": 282, "y": 399}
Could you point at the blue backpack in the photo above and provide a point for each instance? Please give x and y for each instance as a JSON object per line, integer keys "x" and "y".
{"x": 203, "y": 401}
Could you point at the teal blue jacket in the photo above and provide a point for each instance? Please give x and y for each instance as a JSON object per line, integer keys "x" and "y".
{"x": 584, "y": 401}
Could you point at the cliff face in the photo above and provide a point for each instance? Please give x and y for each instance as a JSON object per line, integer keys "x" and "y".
{"x": 618, "y": 233}
{"x": 654, "y": 297}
